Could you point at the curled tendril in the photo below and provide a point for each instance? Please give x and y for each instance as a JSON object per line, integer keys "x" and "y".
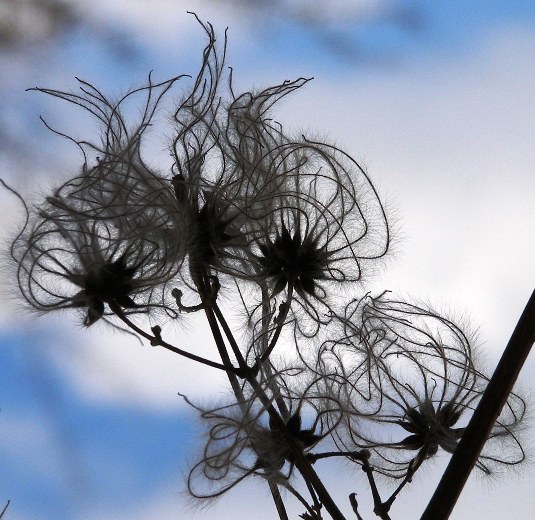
{"x": 409, "y": 380}
{"x": 291, "y": 221}
{"x": 113, "y": 233}
{"x": 70, "y": 262}
{"x": 244, "y": 439}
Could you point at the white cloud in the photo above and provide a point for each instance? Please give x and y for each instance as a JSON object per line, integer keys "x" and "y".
{"x": 250, "y": 500}
{"x": 451, "y": 142}
{"x": 110, "y": 368}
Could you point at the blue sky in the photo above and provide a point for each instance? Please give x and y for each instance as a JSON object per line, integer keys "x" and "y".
{"x": 439, "y": 111}
{"x": 74, "y": 453}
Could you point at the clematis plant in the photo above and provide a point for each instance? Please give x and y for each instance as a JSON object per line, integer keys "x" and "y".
{"x": 286, "y": 228}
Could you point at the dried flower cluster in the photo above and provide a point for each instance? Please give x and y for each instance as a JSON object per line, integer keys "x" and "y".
{"x": 281, "y": 223}
{"x": 408, "y": 379}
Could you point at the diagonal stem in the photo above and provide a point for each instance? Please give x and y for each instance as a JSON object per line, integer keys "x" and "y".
{"x": 5, "y": 508}
{"x": 277, "y": 499}
{"x": 156, "y": 340}
{"x": 281, "y": 320}
{"x": 485, "y": 415}
{"x": 214, "y": 315}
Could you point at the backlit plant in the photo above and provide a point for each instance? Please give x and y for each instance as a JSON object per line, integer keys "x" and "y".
{"x": 286, "y": 227}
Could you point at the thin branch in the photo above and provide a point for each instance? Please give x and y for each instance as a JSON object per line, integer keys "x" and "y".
{"x": 281, "y": 319}
{"x": 230, "y": 337}
{"x": 156, "y": 340}
{"x": 380, "y": 508}
{"x": 5, "y": 508}
{"x": 279, "y": 504}
{"x": 214, "y": 315}
{"x": 355, "y": 505}
{"x": 415, "y": 464}
{"x": 299, "y": 458}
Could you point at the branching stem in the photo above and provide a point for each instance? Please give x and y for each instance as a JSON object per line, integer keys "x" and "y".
{"x": 156, "y": 340}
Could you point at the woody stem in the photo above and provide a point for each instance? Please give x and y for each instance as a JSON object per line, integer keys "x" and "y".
{"x": 476, "y": 434}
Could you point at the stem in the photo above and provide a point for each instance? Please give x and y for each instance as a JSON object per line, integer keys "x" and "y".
{"x": 158, "y": 341}
{"x": 5, "y": 508}
{"x": 380, "y": 509}
{"x": 355, "y": 505}
{"x": 355, "y": 455}
{"x": 230, "y": 337}
{"x": 285, "y": 308}
{"x": 484, "y": 417}
{"x": 277, "y": 499}
{"x": 213, "y": 315}
{"x": 408, "y": 478}
{"x": 279, "y": 504}
{"x": 310, "y": 475}
{"x": 299, "y": 458}
{"x": 314, "y": 510}
{"x": 301, "y": 462}
{"x": 283, "y": 409}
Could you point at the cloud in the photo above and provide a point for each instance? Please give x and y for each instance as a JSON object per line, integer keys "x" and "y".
{"x": 167, "y": 17}
{"x": 109, "y": 368}
{"x": 169, "y": 504}
{"x": 449, "y": 140}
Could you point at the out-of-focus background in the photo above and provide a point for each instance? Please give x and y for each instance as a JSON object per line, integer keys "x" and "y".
{"x": 435, "y": 99}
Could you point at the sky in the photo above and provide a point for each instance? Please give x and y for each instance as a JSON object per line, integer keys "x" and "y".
{"x": 435, "y": 101}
